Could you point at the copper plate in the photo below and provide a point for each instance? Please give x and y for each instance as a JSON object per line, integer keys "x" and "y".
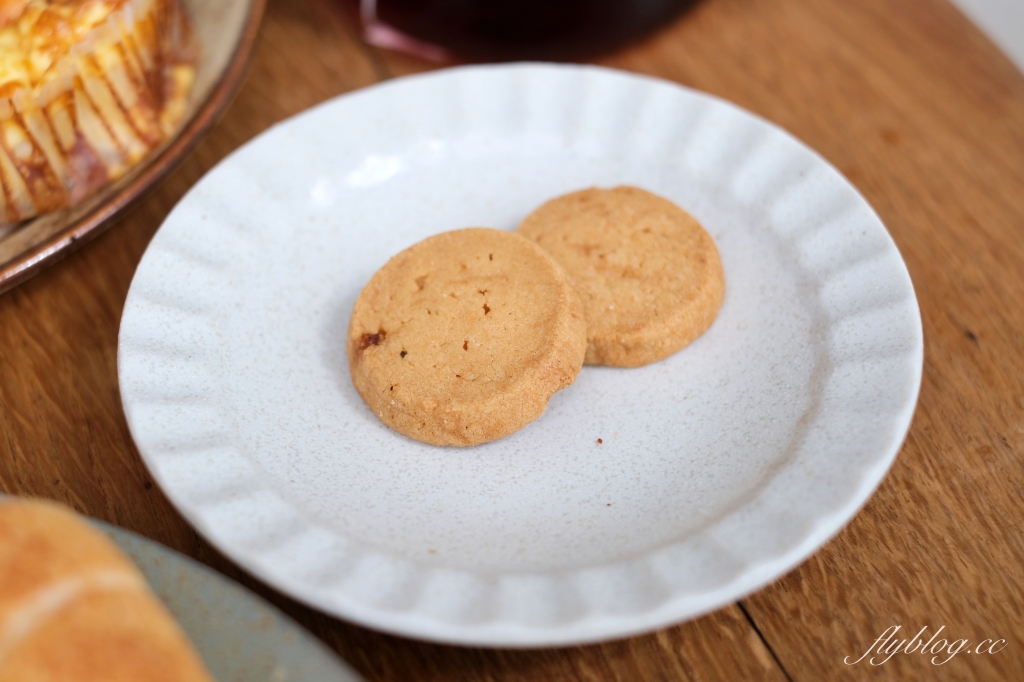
{"x": 226, "y": 30}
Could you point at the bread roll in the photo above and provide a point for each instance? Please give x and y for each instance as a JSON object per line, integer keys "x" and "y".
{"x": 73, "y": 608}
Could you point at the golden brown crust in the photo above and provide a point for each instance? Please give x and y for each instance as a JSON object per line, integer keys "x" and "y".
{"x": 40, "y": 546}
{"x": 87, "y": 89}
{"x": 83, "y": 642}
{"x": 463, "y": 338}
{"x": 73, "y": 607}
{"x": 649, "y": 275}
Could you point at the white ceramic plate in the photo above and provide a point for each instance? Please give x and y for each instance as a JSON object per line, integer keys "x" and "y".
{"x": 721, "y": 468}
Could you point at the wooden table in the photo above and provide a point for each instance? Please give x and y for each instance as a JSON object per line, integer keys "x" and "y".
{"x": 909, "y": 101}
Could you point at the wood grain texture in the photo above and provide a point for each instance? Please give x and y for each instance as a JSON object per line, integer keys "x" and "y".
{"x": 922, "y": 114}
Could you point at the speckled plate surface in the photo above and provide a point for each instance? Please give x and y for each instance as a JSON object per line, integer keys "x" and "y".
{"x": 720, "y": 468}
{"x": 240, "y": 637}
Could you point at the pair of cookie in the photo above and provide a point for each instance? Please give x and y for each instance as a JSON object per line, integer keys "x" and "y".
{"x": 464, "y": 337}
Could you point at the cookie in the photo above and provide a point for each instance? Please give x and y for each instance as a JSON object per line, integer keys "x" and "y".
{"x": 648, "y": 273}
{"x": 463, "y": 338}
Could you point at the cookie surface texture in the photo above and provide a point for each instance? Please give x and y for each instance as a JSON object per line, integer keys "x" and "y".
{"x": 463, "y": 338}
{"x": 649, "y": 275}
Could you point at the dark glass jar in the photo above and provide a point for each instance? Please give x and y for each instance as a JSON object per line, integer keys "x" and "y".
{"x": 497, "y": 30}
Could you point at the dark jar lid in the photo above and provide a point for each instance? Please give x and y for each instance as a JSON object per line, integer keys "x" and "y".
{"x": 500, "y": 30}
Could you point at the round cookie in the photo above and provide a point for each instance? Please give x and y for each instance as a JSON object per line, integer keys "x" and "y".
{"x": 462, "y": 338}
{"x": 648, "y": 273}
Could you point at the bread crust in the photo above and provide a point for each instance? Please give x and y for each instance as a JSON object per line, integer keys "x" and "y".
{"x": 73, "y": 607}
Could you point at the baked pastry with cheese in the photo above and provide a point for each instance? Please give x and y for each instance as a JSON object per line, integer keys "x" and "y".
{"x": 73, "y": 607}
{"x": 87, "y": 89}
